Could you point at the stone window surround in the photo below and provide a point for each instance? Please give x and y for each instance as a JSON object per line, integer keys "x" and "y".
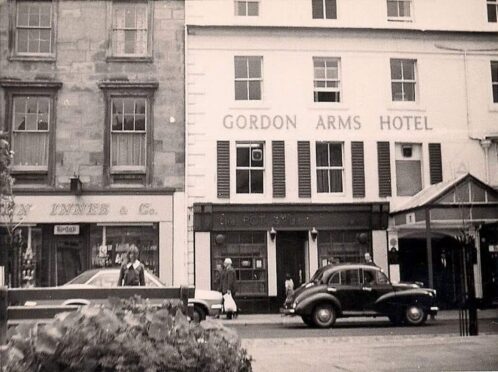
{"x": 110, "y": 57}
{"x": 124, "y": 88}
{"x": 48, "y": 88}
{"x": 13, "y": 55}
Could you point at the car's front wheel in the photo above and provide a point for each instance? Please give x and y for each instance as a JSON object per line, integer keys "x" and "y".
{"x": 415, "y": 315}
{"x": 324, "y": 315}
{"x": 307, "y": 319}
{"x": 199, "y": 314}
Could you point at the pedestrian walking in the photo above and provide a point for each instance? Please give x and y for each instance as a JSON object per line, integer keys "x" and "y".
{"x": 132, "y": 273}
{"x": 228, "y": 287}
{"x": 289, "y": 285}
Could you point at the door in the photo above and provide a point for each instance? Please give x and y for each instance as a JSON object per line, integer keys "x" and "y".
{"x": 346, "y": 286}
{"x": 290, "y": 259}
{"x": 375, "y": 284}
{"x": 70, "y": 259}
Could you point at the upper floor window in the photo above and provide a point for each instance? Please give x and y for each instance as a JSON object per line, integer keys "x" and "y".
{"x": 248, "y": 78}
{"x": 408, "y": 168}
{"x": 399, "y": 9}
{"x": 326, "y": 80}
{"x": 34, "y": 28}
{"x": 403, "y": 79}
{"x": 494, "y": 80}
{"x": 130, "y": 29}
{"x": 250, "y": 167}
{"x": 247, "y": 7}
{"x": 329, "y": 167}
{"x": 324, "y": 9}
{"x": 492, "y": 10}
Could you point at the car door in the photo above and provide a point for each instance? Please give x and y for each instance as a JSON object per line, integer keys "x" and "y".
{"x": 374, "y": 284}
{"x": 346, "y": 286}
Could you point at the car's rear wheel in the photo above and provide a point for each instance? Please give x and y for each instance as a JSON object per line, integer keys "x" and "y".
{"x": 307, "y": 319}
{"x": 324, "y": 315}
{"x": 415, "y": 315}
{"x": 199, "y": 314}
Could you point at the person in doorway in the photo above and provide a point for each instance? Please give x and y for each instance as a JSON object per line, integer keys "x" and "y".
{"x": 289, "y": 286}
{"x": 132, "y": 273}
{"x": 368, "y": 258}
{"x": 228, "y": 282}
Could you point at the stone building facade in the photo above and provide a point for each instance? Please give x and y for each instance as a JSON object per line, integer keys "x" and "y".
{"x": 92, "y": 92}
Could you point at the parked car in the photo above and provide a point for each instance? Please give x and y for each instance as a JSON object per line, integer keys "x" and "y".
{"x": 349, "y": 290}
{"x": 205, "y": 302}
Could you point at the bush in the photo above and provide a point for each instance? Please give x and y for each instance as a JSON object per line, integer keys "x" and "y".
{"x": 126, "y": 335}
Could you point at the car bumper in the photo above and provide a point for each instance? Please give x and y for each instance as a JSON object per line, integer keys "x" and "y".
{"x": 433, "y": 310}
{"x": 215, "y": 309}
{"x": 289, "y": 312}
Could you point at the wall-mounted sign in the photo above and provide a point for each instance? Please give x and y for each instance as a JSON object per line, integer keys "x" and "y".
{"x": 493, "y": 248}
{"x": 66, "y": 229}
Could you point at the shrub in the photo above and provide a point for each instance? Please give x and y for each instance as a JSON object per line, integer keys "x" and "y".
{"x": 126, "y": 335}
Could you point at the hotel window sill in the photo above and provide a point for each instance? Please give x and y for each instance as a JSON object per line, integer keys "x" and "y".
{"x": 249, "y": 105}
{"x": 400, "y": 20}
{"x": 131, "y": 59}
{"x": 32, "y": 58}
{"x": 405, "y": 106}
{"x": 337, "y": 106}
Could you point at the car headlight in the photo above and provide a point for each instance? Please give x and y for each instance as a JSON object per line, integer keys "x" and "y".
{"x": 294, "y": 304}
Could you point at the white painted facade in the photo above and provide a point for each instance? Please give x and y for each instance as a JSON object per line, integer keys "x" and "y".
{"x": 451, "y": 41}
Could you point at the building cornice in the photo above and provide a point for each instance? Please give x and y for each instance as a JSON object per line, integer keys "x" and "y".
{"x": 126, "y": 84}
{"x": 18, "y": 83}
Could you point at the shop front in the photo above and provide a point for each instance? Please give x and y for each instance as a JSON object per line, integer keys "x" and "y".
{"x": 60, "y": 236}
{"x": 268, "y": 242}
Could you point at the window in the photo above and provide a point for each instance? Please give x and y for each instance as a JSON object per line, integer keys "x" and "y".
{"x": 368, "y": 277}
{"x": 324, "y": 9}
{"x": 494, "y": 80}
{"x": 248, "y": 78}
{"x": 403, "y": 79}
{"x": 130, "y": 31}
{"x": 247, "y": 250}
{"x": 381, "y": 278}
{"x": 408, "y": 168}
{"x": 326, "y": 80}
{"x": 492, "y": 10}
{"x": 399, "y": 9}
{"x": 34, "y": 28}
{"x": 247, "y": 7}
{"x": 250, "y": 167}
{"x": 329, "y": 167}
{"x": 342, "y": 246}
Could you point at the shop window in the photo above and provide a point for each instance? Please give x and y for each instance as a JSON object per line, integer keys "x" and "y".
{"x": 247, "y": 250}
{"x": 34, "y": 28}
{"x": 494, "y": 80}
{"x": 248, "y": 78}
{"x": 492, "y": 6}
{"x": 246, "y": 7}
{"x": 130, "y": 29}
{"x": 324, "y": 9}
{"x": 408, "y": 168}
{"x": 403, "y": 79}
{"x": 329, "y": 167}
{"x": 250, "y": 167}
{"x": 342, "y": 247}
{"x": 399, "y": 10}
{"x": 111, "y": 243}
{"x": 326, "y": 80}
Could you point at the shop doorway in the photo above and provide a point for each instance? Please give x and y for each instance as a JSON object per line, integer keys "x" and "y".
{"x": 291, "y": 259}
{"x": 71, "y": 258}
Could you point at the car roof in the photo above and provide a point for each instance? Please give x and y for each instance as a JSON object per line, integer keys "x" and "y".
{"x": 336, "y": 267}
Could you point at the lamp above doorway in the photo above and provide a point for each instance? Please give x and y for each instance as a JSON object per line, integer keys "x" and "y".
{"x": 314, "y": 233}
{"x": 76, "y": 186}
{"x": 273, "y": 233}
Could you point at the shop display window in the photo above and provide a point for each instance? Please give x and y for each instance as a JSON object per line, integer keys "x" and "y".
{"x": 343, "y": 246}
{"x": 247, "y": 250}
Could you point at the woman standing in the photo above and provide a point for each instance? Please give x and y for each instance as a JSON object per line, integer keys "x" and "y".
{"x": 132, "y": 273}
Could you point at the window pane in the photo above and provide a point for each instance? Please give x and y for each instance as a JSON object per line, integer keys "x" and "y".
{"x": 22, "y": 41}
{"x": 128, "y": 122}
{"x": 397, "y": 91}
{"x": 404, "y": 8}
{"x": 19, "y": 121}
{"x": 257, "y": 155}
{"x": 129, "y": 105}
{"x": 240, "y": 67}
{"x": 128, "y": 149}
{"x": 22, "y": 13}
{"x": 130, "y": 41}
{"x": 140, "y": 106}
{"x": 254, "y": 90}
{"x": 322, "y": 154}
{"x": 44, "y": 41}
{"x": 332, "y": 84}
{"x": 140, "y": 122}
{"x": 409, "y": 91}
{"x": 409, "y": 177}
{"x": 255, "y": 67}
{"x": 319, "y": 72}
{"x": 241, "y": 90}
{"x": 117, "y": 106}
{"x": 330, "y": 9}
{"x": 30, "y": 149}
{"x": 495, "y": 93}
{"x": 34, "y": 15}
{"x": 491, "y": 13}
{"x": 352, "y": 277}
{"x": 256, "y": 181}
{"x": 240, "y": 7}
{"x": 20, "y": 104}
{"x": 32, "y": 105}
{"x": 45, "y": 14}
{"x": 322, "y": 180}
{"x": 253, "y": 8}
{"x": 392, "y": 9}
{"x": 320, "y": 84}
{"x": 130, "y": 16}
{"x": 242, "y": 156}
{"x": 408, "y": 70}
{"x": 242, "y": 181}
{"x": 327, "y": 97}
{"x": 335, "y": 154}
{"x": 33, "y": 42}
{"x": 494, "y": 72}
{"x": 43, "y": 105}
{"x": 336, "y": 180}
{"x": 43, "y": 122}
{"x": 141, "y": 22}
{"x": 395, "y": 69}
{"x": 317, "y": 6}
{"x": 117, "y": 122}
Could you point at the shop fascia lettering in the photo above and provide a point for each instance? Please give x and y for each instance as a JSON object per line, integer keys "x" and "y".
{"x": 261, "y": 220}
{"x": 94, "y": 209}
{"x": 325, "y": 122}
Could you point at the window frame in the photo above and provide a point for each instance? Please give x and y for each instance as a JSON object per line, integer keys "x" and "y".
{"x": 246, "y": 2}
{"x": 337, "y": 90}
{"x": 13, "y": 34}
{"x": 248, "y": 79}
{"x": 250, "y": 167}
{"x": 494, "y": 64}
{"x": 400, "y": 18}
{"x": 492, "y": 4}
{"x": 396, "y": 160}
{"x": 111, "y": 55}
{"x": 16, "y": 88}
{"x": 324, "y": 10}
{"x": 404, "y": 81}
{"x": 124, "y": 89}
{"x": 329, "y": 168}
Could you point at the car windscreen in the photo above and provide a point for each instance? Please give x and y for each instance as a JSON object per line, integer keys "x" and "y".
{"x": 317, "y": 277}
{"x": 83, "y": 278}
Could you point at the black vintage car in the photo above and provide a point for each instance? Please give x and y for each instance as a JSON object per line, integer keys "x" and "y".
{"x": 348, "y": 290}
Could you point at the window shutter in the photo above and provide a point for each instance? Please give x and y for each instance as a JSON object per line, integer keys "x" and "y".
{"x": 384, "y": 168}
{"x": 435, "y": 163}
{"x": 358, "y": 169}
{"x": 303, "y": 169}
{"x": 278, "y": 163}
{"x": 223, "y": 171}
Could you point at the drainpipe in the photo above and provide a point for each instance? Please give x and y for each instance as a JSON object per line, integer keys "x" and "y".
{"x": 486, "y": 144}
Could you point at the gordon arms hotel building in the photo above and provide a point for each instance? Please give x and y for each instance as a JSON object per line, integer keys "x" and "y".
{"x": 92, "y": 102}
{"x": 322, "y": 130}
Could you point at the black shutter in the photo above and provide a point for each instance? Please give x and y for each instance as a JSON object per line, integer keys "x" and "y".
{"x": 223, "y": 161}
{"x": 384, "y": 168}
{"x": 358, "y": 169}
{"x": 303, "y": 169}
{"x": 435, "y": 163}
{"x": 278, "y": 163}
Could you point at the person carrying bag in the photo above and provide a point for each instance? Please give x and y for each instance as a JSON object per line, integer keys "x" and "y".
{"x": 228, "y": 287}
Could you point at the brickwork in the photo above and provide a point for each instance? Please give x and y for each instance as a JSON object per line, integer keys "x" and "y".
{"x": 82, "y": 31}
